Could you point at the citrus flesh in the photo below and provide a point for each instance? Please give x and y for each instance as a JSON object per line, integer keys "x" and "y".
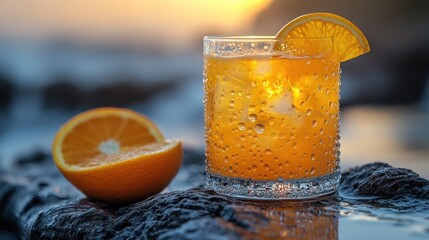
{"x": 348, "y": 41}
{"x": 116, "y": 155}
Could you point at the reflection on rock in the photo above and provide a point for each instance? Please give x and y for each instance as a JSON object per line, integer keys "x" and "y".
{"x": 304, "y": 220}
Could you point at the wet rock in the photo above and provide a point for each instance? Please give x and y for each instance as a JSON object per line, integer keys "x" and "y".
{"x": 380, "y": 185}
{"x": 37, "y": 203}
{"x": 385, "y": 181}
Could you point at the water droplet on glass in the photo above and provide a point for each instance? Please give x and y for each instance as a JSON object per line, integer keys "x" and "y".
{"x": 259, "y": 128}
{"x": 251, "y": 108}
{"x": 313, "y": 157}
{"x": 308, "y": 112}
{"x": 267, "y": 151}
{"x": 254, "y": 167}
{"x": 242, "y": 138}
{"x": 271, "y": 120}
{"x": 294, "y": 145}
{"x": 242, "y": 126}
{"x": 314, "y": 123}
{"x": 253, "y": 117}
{"x": 231, "y": 103}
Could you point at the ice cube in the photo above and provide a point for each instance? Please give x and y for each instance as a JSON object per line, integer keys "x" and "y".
{"x": 283, "y": 104}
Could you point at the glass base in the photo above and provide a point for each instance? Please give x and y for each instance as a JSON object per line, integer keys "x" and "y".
{"x": 306, "y": 188}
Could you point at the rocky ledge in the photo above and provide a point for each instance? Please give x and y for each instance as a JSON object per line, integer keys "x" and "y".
{"x": 37, "y": 203}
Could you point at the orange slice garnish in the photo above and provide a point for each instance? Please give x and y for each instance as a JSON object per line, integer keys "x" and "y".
{"x": 348, "y": 41}
{"x": 116, "y": 155}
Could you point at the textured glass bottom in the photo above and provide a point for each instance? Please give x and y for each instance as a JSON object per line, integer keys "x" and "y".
{"x": 306, "y": 188}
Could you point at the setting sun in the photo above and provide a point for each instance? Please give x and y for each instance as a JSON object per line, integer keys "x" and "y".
{"x": 133, "y": 20}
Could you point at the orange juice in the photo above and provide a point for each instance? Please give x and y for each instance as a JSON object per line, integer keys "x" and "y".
{"x": 271, "y": 117}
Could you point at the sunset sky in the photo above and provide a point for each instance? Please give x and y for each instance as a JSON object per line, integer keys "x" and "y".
{"x": 127, "y": 20}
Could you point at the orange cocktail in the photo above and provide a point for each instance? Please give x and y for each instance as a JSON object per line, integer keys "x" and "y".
{"x": 271, "y": 114}
{"x": 271, "y": 117}
{"x": 272, "y": 108}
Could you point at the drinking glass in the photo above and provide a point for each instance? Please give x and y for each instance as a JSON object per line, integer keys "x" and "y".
{"x": 271, "y": 109}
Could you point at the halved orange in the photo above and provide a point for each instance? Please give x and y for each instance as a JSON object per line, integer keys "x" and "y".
{"x": 116, "y": 155}
{"x": 349, "y": 42}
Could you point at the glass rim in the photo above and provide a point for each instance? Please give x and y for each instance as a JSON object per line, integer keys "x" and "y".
{"x": 235, "y": 46}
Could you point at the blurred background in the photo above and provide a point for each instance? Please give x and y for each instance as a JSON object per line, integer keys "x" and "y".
{"x": 59, "y": 57}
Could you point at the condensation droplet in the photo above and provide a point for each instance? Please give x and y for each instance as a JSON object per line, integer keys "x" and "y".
{"x": 271, "y": 120}
{"x": 242, "y": 138}
{"x": 308, "y": 112}
{"x": 242, "y": 126}
{"x": 294, "y": 145}
{"x": 251, "y": 108}
{"x": 314, "y": 123}
{"x": 259, "y": 128}
{"x": 267, "y": 151}
{"x": 254, "y": 167}
{"x": 313, "y": 157}
{"x": 231, "y": 103}
{"x": 253, "y": 117}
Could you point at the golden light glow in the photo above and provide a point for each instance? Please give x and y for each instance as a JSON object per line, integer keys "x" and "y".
{"x": 140, "y": 19}
{"x": 296, "y": 92}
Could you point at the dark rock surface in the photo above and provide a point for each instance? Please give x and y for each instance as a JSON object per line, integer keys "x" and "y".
{"x": 37, "y": 203}
{"x": 382, "y": 180}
